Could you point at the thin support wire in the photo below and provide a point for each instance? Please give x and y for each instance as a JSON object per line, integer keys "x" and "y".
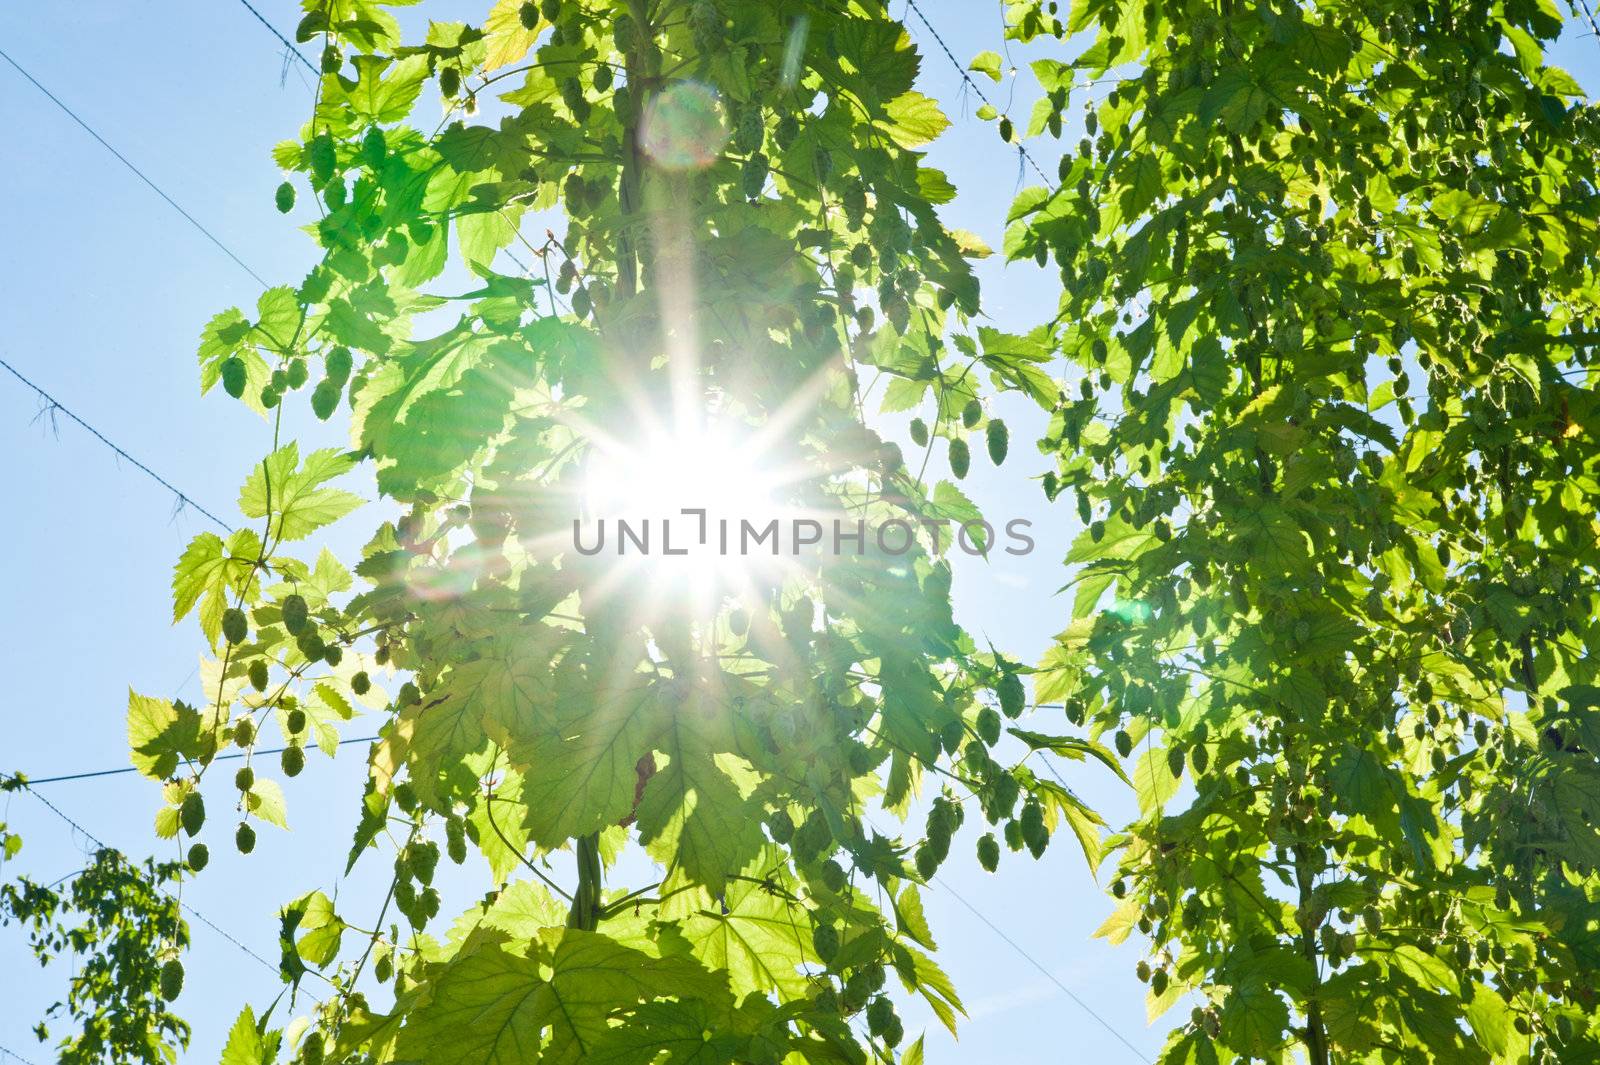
{"x": 140, "y": 174}
{"x": 55, "y": 406}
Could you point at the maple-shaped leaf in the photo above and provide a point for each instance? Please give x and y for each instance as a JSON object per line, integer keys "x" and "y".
{"x": 510, "y": 691}
{"x": 385, "y": 89}
{"x": 249, "y": 1043}
{"x": 693, "y": 813}
{"x": 211, "y": 571}
{"x": 508, "y": 39}
{"x": 296, "y": 495}
{"x": 580, "y": 768}
{"x": 160, "y": 734}
{"x": 671, "y": 1033}
{"x": 755, "y": 932}
{"x": 550, "y": 999}
{"x": 438, "y": 737}
{"x": 694, "y": 816}
{"x": 914, "y": 120}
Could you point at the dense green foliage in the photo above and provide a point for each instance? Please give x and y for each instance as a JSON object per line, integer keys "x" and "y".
{"x": 1331, "y": 300}
{"x": 1319, "y": 386}
{"x": 743, "y": 220}
{"x": 124, "y": 932}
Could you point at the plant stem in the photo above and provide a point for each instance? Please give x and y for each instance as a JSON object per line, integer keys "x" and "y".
{"x": 630, "y": 188}
{"x": 586, "y": 908}
{"x": 1315, "y": 1033}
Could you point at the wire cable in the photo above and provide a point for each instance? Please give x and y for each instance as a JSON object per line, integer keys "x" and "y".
{"x": 286, "y": 42}
{"x": 527, "y": 270}
{"x": 6, "y": 1051}
{"x": 56, "y": 405}
{"x": 140, "y": 174}
{"x": 219, "y": 758}
{"x": 973, "y": 85}
{"x": 186, "y": 500}
{"x": 1048, "y": 975}
{"x": 1031, "y": 960}
{"x": 196, "y": 914}
{"x": 1588, "y": 16}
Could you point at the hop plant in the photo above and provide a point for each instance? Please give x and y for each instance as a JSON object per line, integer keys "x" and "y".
{"x": 960, "y": 458}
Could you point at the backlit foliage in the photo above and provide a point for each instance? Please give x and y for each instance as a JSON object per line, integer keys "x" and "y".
{"x": 734, "y": 224}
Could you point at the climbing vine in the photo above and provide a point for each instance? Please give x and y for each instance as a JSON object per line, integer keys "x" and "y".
{"x": 1319, "y": 388}
{"x": 736, "y": 227}
{"x": 1329, "y": 316}
{"x": 123, "y": 932}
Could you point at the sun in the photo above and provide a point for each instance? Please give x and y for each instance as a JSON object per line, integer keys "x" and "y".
{"x": 678, "y": 504}
{"x": 663, "y": 474}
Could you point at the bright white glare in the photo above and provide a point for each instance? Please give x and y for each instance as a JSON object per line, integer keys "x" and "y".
{"x": 687, "y": 492}
{"x": 666, "y": 473}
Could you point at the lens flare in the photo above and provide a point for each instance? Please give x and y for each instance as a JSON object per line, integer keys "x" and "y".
{"x": 672, "y": 508}
{"x": 1131, "y": 611}
{"x": 684, "y": 127}
{"x": 794, "y": 50}
{"x": 665, "y": 474}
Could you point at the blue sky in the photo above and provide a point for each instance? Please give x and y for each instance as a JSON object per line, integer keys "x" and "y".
{"x": 105, "y": 291}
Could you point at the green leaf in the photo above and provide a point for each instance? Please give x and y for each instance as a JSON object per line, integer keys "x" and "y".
{"x": 508, "y": 40}
{"x": 320, "y": 929}
{"x": 1116, "y": 928}
{"x": 913, "y": 120}
{"x": 428, "y": 412}
{"x": 386, "y": 89}
{"x": 1427, "y": 969}
{"x": 327, "y": 579}
{"x": 1072, "y": 747}
{"x": 1490, "y": 1019}
{"x": 1325, "y": 47}
{"x": 760, "y": 942}
{"x": 972, "y": 246}
{"x": 442, "y": 735}
{"x": 1057, "y": 672}
{"x": 1142, "y": 185}
{"x": 1254, "y": 1017}
{"x": 1194, "y": 1048}
{"x": 935, "y": 187}
{"x": 265, "y": 800}
{"x": 587, "y": 756}
{"x": 670, "y": 1033}
{"x": 161, "y": 734}
{"x": 1234, "y": 98}
{"x": 692, "y": 815}
{"x": 1273, "y": 537}
{"x": 507, "y": 694}
{"x": 1153, "y": 781}
{"x": 951, "y": 504}
{"x": 910, "y": 917}
{"x": 1581, "y": 696}
{"x": 930, "y": 981}
{"x": 1052, "y": 74}
{"x": 986, "y": 63}
{"x": 521, "y": 911}
{"x": 223, "y": 335}
{"x": 492, "y": 1005}
{"x": 1120, "y": 541}
{"x": 278, "y": 320}
{"x": 295, "y": 494}
{"x": 903, "y": 394}
{"x": 210, "y": 573}
{"x": 1364, "y": 783}
{"x": 246, "y": 1044}
{"x": 1086, "y": 825}
{"x": 482, "y": 234}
